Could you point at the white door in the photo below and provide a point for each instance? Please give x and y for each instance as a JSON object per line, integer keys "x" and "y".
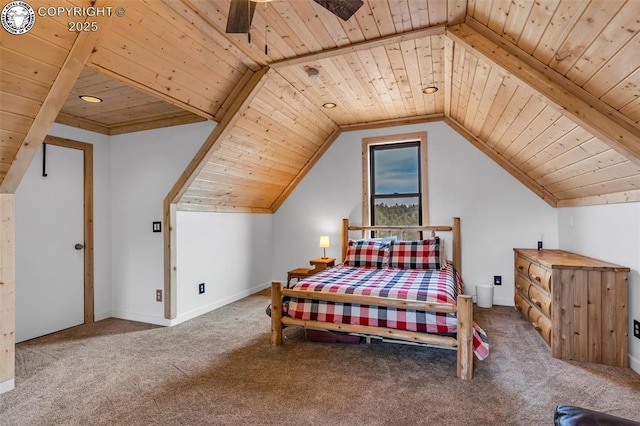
{"x": 49, "y": 223}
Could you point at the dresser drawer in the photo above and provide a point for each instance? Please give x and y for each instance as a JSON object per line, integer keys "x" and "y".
{"x": 522, "y": 305}
{"x": 540, "y": 276}
{"x": 522, "y": 266}
{"x": 522, "y": 285}
{"x": 540, "y": 299}
{"x": 541, "y": 323}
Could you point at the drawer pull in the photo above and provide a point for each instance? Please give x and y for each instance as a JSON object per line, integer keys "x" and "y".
{"x": 535, "y": 325}
{"x": 518, "y": 287}
{"x": 536, "y": 302}
{"x": 537, "y": 278}
{"x": 520, "y": 267}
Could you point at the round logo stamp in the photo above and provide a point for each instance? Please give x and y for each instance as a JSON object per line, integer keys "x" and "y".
{"x": 18, "y": 17}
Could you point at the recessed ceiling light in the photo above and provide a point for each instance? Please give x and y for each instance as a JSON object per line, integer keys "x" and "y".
{"x": 89, "y": 98}
{"x": 329, "y": 105}
{"x": 313, "y": 73}
{"x": 429, "y": 90}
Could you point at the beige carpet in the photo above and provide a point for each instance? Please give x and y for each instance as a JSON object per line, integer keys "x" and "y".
{"x": 220, "y": 369}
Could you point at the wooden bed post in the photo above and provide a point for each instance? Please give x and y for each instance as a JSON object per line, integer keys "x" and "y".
{"x": 465, "y": 336}
{"x": 457, "y": 246}
{"x": 345, "y": 237}
{"x": 276, "y": 313}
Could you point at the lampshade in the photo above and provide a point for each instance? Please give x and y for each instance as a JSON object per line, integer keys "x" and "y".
{"x": 324, "y": 242}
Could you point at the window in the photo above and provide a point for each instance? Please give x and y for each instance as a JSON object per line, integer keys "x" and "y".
{"x": 395, "y": 180}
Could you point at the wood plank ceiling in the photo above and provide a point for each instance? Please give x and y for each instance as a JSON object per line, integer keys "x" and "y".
{"x": 549, "y": 89}
{"x": 123, "y": 108}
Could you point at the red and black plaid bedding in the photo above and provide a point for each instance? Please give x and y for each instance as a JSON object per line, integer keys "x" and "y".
{"x": 441, "y": 286}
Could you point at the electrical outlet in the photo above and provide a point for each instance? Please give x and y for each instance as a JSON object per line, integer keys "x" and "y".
{"x": 200, "y": 288}
{"x": 636, "y": 328}
{"x": 158, "y": 295}
{"x": 497, "y": 280}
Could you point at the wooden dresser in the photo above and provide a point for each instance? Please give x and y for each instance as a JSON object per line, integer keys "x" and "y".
{"x": 577, "y": 304}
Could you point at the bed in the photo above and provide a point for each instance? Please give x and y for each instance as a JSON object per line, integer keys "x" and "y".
{"x": 402, "y": 292}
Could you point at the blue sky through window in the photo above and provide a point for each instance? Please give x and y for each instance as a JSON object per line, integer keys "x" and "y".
{"x": 396, "y": 170}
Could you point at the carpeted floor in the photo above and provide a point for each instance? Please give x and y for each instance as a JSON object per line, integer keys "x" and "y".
{"x": 220, "y": 369}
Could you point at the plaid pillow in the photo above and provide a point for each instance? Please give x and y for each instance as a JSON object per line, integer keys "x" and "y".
{"x": 367, "y": 253}
{"x": 420, "y": 254}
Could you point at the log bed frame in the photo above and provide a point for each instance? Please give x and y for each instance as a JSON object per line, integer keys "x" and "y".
{"x": 463, "y": 343}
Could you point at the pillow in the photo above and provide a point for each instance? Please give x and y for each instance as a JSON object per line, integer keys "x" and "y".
{"x": 419, "y": 254}
{"x": 367, "y": 253}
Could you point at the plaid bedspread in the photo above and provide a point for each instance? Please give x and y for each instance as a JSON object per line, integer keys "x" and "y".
{"x": 407, "y": 284}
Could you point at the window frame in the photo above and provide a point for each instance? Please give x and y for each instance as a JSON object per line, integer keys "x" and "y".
{"x": 400, "y": 139}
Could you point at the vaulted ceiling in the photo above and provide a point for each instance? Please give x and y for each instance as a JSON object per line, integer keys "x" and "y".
{"x": 549, "y": 89}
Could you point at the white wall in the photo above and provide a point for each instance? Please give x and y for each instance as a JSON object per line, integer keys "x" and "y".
{"x": 610, "y": 233}
{"x": 144, "y": 167}
{"x": 497, "y": 212}
{"x": 229, "y": 252}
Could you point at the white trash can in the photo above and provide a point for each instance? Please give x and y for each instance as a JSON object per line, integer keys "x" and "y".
{"x": 484, "y": 296}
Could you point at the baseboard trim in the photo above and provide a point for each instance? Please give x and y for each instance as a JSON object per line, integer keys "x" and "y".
{"x": 634, "y": 363}
{"x": 503, "y": 302}
{"x": 149, "y": 319}
{"x": 7, "y": 385}
{"x": 217, "y": 304}
{"x": 102, "y": 315}
{"x": 498, "y": 301}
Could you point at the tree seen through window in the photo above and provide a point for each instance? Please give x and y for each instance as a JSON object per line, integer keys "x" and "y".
{"x": 395, "y": 184}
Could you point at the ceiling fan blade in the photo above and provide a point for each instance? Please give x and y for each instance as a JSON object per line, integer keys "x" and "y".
{"x": 240, "y": 16}
{"x": 343, "y": 9}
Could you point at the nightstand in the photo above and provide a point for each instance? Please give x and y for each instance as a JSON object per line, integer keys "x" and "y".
{"x": 319, "y": 264}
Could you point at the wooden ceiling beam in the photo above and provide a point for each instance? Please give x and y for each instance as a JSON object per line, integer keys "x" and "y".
{"x": 69, "y": 72}
{"x": 81, "y": 123}
{"x": 208, "y": 208}
{"x": 168, "y": 120}
{"x": 448, "y": 74}
{"x": 592, "y": 114}
{"x": 502, "y": 162}
{"x": 402, "y": 121}
{"x": 364, "y": 45}
{"x": 632, "y": 196}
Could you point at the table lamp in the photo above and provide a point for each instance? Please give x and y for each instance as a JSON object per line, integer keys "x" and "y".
{"x": 324, "y": 243}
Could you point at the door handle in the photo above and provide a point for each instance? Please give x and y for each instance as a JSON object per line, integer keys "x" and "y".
{"x": 78, "y": 246}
